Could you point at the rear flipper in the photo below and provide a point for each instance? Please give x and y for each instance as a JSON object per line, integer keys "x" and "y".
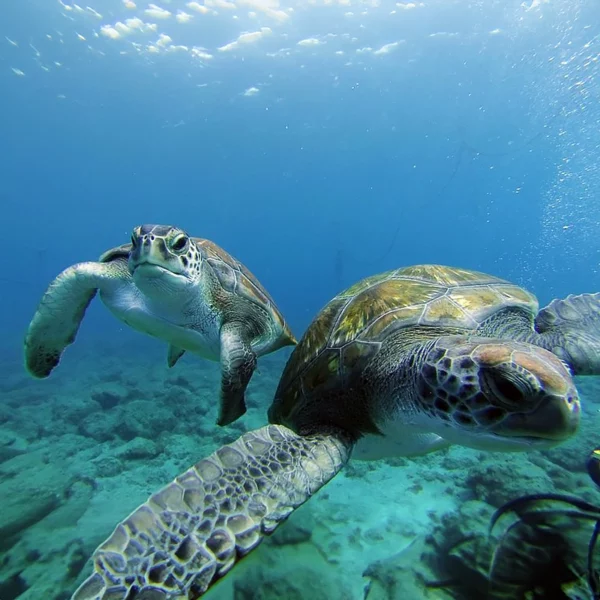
{"x": 193, "y": 531}
{"x": 570, "y": 329}
{"x": 238, "y": 362}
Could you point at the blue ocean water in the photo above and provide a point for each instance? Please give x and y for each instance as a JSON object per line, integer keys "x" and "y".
{"x": 318, "y": 142}
{"x": 469, "y": 141}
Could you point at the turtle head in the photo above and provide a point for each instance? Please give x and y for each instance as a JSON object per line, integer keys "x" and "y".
{"x": 497, "y": 395}
{"x": 162, "y": 255}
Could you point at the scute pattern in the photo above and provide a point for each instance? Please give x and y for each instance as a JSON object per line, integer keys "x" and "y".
{"x": 453, "y": 399}
{"x": 190, "y": 533}
{"x": 350, "y": 329}
{"x": 313, "y": 342}
{"x": 446, "y": 276}
{"x": 237, "y": 279}
{"x": 380, "y": 299}
{"x": 364, "y": 284}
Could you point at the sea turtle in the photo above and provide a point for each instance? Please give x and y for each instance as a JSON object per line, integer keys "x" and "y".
{"x": 184, "y": 290}
{"x": 401, "y": 363}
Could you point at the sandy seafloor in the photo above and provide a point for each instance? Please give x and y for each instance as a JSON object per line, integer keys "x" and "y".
{"x": 81, "y": 449}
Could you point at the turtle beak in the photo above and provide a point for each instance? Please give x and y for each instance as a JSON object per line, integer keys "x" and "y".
{"x": 153, "y": 252}
{"x": 148, "y": 252}
{"x": 555, "y": 420}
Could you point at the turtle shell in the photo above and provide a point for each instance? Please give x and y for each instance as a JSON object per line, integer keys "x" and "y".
{"x": 231, "y": 274}
{"x": 115, "y": 253}
{"x": 350, "y": 329}
{"x": 235, "y": 278}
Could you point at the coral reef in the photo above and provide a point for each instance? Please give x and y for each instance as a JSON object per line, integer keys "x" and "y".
{"x": 80, "y": 450}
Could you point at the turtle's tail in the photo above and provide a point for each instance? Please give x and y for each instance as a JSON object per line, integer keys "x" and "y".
{"x": 570, "y": 328}
{"x": 193, "y": 531}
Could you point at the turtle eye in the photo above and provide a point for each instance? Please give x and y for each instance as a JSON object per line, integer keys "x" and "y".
{"x": 179, "y": 243}
{"x": 504, "y": 389}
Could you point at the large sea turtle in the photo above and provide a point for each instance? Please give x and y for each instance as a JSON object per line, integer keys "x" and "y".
{"x": 401, "y": 363}
{"x": 184, "y": 290}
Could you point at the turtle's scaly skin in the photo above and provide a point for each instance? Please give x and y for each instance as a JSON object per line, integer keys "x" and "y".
{"x": 193, "y": 531}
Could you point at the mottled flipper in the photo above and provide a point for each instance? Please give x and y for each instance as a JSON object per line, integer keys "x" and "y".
{"x": 60, "y": 312}
{"x": 238, "y": 362}
{"x": 570, "y": 329}
{"x": 193, "y": 531}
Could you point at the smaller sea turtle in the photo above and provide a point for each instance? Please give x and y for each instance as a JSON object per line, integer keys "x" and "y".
{"x": 401, "y": 363}
{"x": 184, "y": 290}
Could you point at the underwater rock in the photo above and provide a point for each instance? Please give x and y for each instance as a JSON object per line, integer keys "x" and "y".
{"x": 108, "y": 466}
{"x": 461, "y": 550}
{"x": 99, "y": 426}
{"x": 360, "y": 469}
{"x": 18, "y": 516}
{"x": 181, "y": 381}
{"x": 5, "y": 414}
{"x": 184, "y": 404}
{"x": 507, "y": 478}
{"x": 141, "y": 418}
{"x": 107, "y": 399}
{"x": 138, "y": 448}
{"x": 569, "y": 456}
{"x": 44, "y": 575}
{"x": 67, "y": 414}
{"x": 11, "y": 445}
{"x": 29, "y": 493}
{"x": 110, "y": 393}
{"x": 12, "y": 587}
{"x": 458, "y": 461}
{"x": 298, "y": 584}
{"x": 290, "y": 534}
{"x": 395, "y": 578}
{"x": 138, "y": 418}
{"x": 187, "y": 449}
{"x": 455, "y": 555}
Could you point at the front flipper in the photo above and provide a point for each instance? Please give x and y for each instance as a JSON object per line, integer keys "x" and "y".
{"x": 570, "y": 329}
{"x": 193, "y": 531}
{"x": 238, "y": 362}
{"x": 60, "y": 312}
